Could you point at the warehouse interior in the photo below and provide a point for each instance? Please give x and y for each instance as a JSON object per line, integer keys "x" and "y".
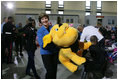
{"x": 72, "y": 12}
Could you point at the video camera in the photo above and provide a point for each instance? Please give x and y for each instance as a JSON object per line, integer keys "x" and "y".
{"x": 30, "y": 21}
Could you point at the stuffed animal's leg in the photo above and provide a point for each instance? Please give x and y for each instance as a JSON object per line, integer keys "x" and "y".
{"x": 73, "y": 56}
{"x": 77, "y": 59}
{"x": 66, "y": 62}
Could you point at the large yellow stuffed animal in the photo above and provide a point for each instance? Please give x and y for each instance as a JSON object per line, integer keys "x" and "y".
{"x": 64, "y": 36}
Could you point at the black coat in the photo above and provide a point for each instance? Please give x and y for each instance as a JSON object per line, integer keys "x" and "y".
{"x": 9, "y": 28}
{"x": 96, "y": 59}
{"x": 97, "y": 54}
{"x": 30, "y": 38}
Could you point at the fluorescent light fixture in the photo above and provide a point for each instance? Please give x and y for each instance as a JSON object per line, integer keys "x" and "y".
{"x": 60, "y": 12}
{"x": 48, "y": 12}
{"x": 87, "y": 13}
{"x": 9, "y": 5}
{"x": 48, "y": 2}
{"x": 61, "y": 2}
{"x": 87, "y": 3}
{"x": 98, "y": 3}
{"x": 99, "y": 14}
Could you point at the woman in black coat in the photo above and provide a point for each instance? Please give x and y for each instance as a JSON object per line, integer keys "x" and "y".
{"x": 30, "y": 32}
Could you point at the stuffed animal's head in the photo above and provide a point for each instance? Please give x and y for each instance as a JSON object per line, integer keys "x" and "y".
{"x": 63, "y": 35}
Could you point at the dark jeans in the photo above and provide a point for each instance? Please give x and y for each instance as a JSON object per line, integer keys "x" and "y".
{"x": 97, "y": 70}
{"x": 101, "y": 43}
{"x": 50, "y": 63}
{"x": 8, "y": 45}
{"x": 3, "y": 56}
{"x": 31, "y": 63}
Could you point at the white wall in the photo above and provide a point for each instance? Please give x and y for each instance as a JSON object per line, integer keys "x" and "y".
{"x": 109, "y": 8}
{"x": 23, "y": 17}
{"x": 30, "y": 7}
{"x": 30, "y": 4}
{"x": 93, "y": 20}
{"x": 74, "y": 5}
{"x": 106, "y": 18}
{"x": 75, "y": 8}
{"x": 54, "y": 7}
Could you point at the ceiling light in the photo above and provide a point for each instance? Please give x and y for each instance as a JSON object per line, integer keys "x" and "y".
{"x": 9, "y": 5}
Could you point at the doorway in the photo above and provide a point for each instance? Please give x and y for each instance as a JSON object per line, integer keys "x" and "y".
{"x": 99, "y": 22}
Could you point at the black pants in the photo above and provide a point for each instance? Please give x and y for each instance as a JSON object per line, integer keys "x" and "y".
{"x": 95, "y": 69}
{"x": 3, "y": 55}
{"x": 8, "y": 45}
{"x": 31, "y": 63}
{"x": 18, "y": 43}
{"x": 50, "y": 63}
{"x": 101, "y": 44}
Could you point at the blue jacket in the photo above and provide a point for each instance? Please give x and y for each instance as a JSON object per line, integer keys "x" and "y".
{"x": 40, "y": 34}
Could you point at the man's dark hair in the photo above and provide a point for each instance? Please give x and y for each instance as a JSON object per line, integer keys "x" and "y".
{"x": 10, "y": 17}
{"x": 43, "y": 15}
{"x": 30, "y": 21}
{"x": 93, "y": 38}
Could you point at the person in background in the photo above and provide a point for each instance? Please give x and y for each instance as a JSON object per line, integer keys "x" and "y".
{"x": 50, "y": 53}
{"x": 3, "y": 41}
{"x": 5, "y": 20}
{"x": 18, "y": 39}
{"x": 102, "y": 30}
{"x": 80, "y": 29}
{"x": 30, "y": 34}
{"x": 24, "y": 38}
{"x": 114, "y": 33}
{"x": 108, "y": 28}
{"x": 9, "y": 32}
{"x": 89, "y": 31}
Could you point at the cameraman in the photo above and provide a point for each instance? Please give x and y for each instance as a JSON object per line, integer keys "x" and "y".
{"x": 30, "y": 35}
{"x": 28, "y": 24}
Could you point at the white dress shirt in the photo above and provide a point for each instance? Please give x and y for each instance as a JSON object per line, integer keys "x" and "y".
{"x": 88, "y": 32}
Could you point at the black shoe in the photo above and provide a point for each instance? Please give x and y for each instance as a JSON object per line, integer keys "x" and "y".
{"x": 37, "y": 77}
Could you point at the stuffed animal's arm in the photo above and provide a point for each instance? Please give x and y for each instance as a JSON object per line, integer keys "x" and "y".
{"x": 87, "y": 45}
{"x": 84, "y": 45}
{"x": 46, "y": 40}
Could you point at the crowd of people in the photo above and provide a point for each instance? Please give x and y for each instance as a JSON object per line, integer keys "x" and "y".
{"x": 98, "y": 57}
{"x": 25, "y": 37}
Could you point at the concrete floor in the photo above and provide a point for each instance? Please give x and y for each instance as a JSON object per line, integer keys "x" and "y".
{"x": 17, "y": 69}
